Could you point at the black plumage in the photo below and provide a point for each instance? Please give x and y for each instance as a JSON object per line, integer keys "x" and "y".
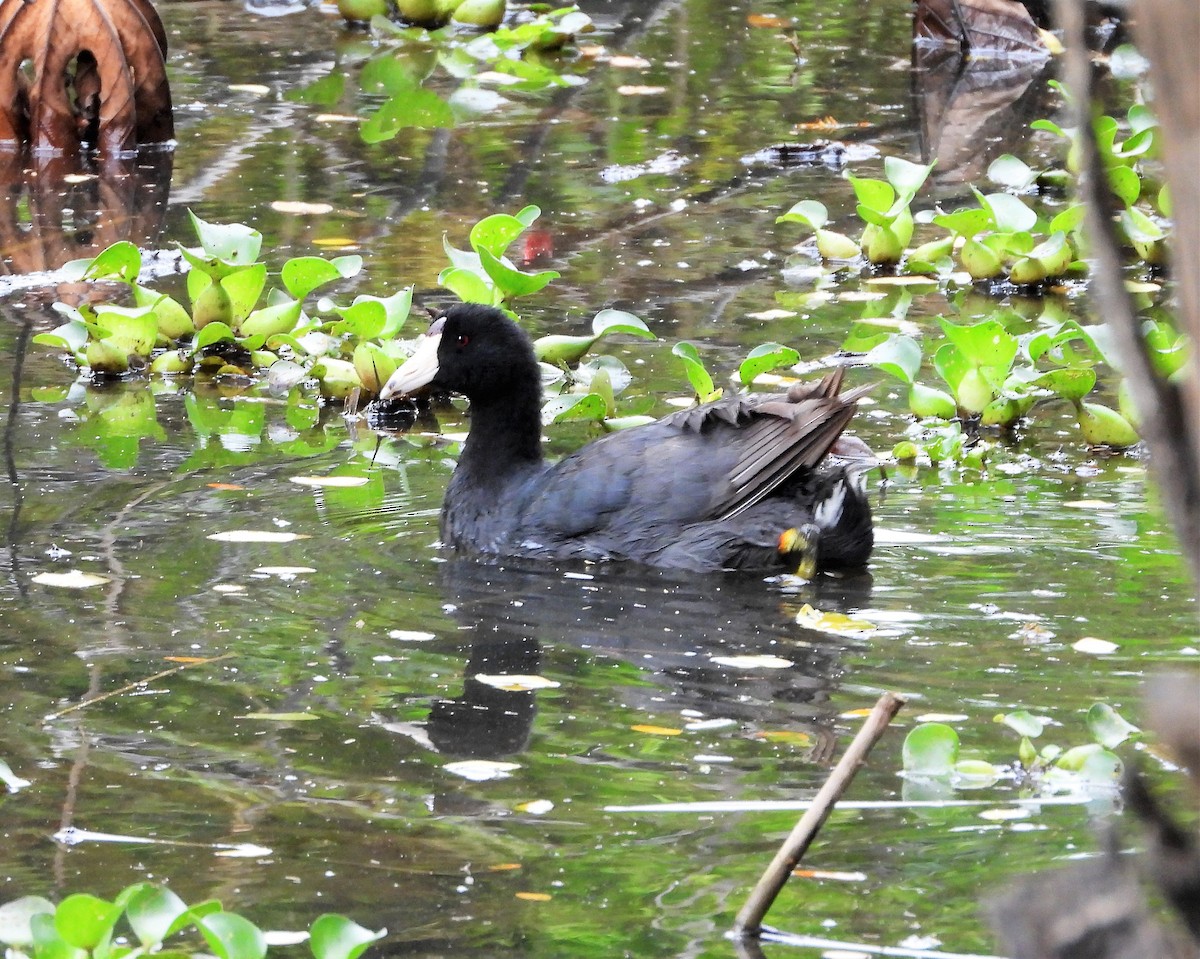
{"x": 745, "y": 482}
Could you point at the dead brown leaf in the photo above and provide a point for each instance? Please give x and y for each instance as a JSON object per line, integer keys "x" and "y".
{"x": 74, "y": 70}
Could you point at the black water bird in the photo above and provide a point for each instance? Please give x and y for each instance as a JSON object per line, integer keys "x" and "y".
{"x": 762, "y": 482}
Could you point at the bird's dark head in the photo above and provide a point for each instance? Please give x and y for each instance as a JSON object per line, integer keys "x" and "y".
{"x": 471, "y": 349}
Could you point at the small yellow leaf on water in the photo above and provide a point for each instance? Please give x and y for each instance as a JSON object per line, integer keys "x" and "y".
{"x": 256, "y": 536}
{"x": 280, "y": 717}
{"x": 766, "y": 20}
{"x": 535, "y": 896}
{"x": 829, "y": 874}
{"x": 1142, "y": 286}
{"x": 824, "y": 123}
{"x": 514, "y": 683}
{"x": 300, "y": 208}
{"x": 536, "y": 807}
{"x": 335, "y": 241}
{"x": 785, "y": 736}
{"x": 837, "y": 623}
{"x": 854, "y": 713}
{"x": 346, "y": 481}
{"x": 753, "y": 662}
{"x": 225, "y": 486}
{"x": 72, "y": 579}
{"x": 656, "y": 730}
{"x": 504, "y": 867}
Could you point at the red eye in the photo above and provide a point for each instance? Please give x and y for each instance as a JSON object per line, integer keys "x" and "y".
{"x": 462, "y": 340}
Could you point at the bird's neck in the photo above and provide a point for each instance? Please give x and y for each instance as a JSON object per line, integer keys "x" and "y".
{"x": 505, "y": 436}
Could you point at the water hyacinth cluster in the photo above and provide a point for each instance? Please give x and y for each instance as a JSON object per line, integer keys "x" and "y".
{"x": 1002, "y": 239}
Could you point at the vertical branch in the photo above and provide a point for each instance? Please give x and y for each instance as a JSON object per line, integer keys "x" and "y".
{"x": 1170, "y": 413}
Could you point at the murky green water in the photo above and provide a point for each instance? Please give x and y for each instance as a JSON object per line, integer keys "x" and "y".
{"x": 980, "y": 585}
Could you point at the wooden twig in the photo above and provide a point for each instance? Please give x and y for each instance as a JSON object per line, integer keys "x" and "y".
{"x": 749, "y": 921}
{"x": 132, "y": 686}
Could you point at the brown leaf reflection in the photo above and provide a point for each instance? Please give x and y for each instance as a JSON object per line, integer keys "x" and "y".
{"x": 59, "y": 209}
{"x": 971, "y": 111}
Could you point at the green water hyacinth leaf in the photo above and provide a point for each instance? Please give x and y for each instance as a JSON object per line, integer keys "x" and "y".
{"x": 174, "y": 322}
{"x": 1009, "y": 213}
{"x": 693, "y": 366}
{"x": 513, "y": 282}
{"x": 1071, "y": 384}
{"x": 72, "y": 337}
{"x": 338, "y": 378}
{"x": 811, "y": 213}
{"x": 1024, "y": 722}
{"x": 303, "y": 274}
{"x": 1108, "y": 727}
{"x": 212, "y": 333}
{"x": 1102, "y": 426}
{"x": 152, "y": 912}
{"x": 618, "y": 321}
{"x": 230, "y": 936}
{"x": 927, "y": 402}
{"x": 495, "y": 233}
{"x": 1069, "y": 220}
{"x": 762, "y": 359}
{"x": 986, "y": 344}
{"x": 233, "y": 243}
{"x": 907, "y": 177}
{"x": 877, "y": 195}
{"x": 336, "y": 937}
{"x": 271, "y": 320}
{"x": 575, "y": 406}
{"x": 467, "y": 285}
{"x": 836, "y": 246}
{"x": 372, "y": 317}
{"x": 16, "y": 919}
{"x": 122, "y": 260}
{"x": 924, "y": 258}
{"x": 1093, "y": 763}
{"x": 47, "y": 943}
{"x": 965, "y": 223}
{"x": 244, "y": 289}
{"x": 85, "y": 921}
{"x": 1011, "y": 172}
{"x": 1125, "y": 183}
{"x": 899, "y": 355}
{"x": 374, "y": 366}
{"x": 930, "y": 749}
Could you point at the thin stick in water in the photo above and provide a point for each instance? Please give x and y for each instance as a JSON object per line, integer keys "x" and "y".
{"x": 749, "y": 920}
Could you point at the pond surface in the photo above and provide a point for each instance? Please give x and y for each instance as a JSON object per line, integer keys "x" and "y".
{"x": 979, "y": 586}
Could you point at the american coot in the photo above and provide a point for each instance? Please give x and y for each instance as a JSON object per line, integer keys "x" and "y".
{"x": 745, "y": 482}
